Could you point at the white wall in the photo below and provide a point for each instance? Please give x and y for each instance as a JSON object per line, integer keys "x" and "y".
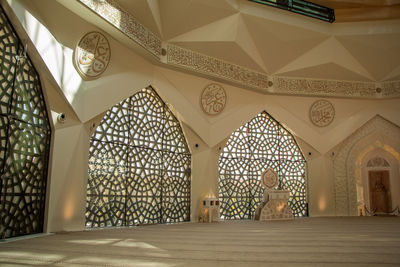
{"x": 129, "y": 72}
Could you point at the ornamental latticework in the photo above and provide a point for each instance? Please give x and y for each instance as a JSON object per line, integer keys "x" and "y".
{"x": 260, "y": 144}
{"x": 24, "y": 140}
{"x": 139, "y": 165}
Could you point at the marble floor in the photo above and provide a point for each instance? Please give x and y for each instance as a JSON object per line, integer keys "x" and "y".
{"x": 336, "y": 241}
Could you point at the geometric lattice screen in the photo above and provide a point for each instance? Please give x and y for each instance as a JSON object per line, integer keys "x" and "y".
{"x": 260, "y": 144}
{"x": 25, "y": 139}
{"x": 139, "y": 165}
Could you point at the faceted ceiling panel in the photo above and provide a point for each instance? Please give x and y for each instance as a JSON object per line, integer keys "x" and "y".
{"x": 180, "y": 16}
{"x": 378, "y": 53}
{"x": 227, "y": 39}
{"x": 329, "y": 51}
{"x": 276, "y": 42}
{"x": 280, "y": 43}
{"x": 394, "y": 75}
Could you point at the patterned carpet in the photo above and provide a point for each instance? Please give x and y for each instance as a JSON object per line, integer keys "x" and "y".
{"x": 355, "y": 241}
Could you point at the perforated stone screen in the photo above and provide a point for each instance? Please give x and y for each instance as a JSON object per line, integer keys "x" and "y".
{"x": 139, "y": 165}
{"x": 24, "y": 140}
{"x": 260, "y": 144}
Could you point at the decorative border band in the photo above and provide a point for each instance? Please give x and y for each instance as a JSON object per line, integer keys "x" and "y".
{"x": 296, "y": 86}
{"x": 391, "y": 89}
{"x": 123, "y": 21}
{"x": 191, "y": 60}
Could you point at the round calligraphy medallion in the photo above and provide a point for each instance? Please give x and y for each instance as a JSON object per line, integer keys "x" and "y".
{"x": 270, "y": 179}
{"x": 213, "y": 99}
{"x": 92, "y": 55}
{"x": 322, "y": 113}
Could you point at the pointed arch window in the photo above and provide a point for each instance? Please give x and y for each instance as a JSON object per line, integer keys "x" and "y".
{"x": 24, "y": 139}
{"x": 260, "y": 144}
{"x": 139, "y": 165}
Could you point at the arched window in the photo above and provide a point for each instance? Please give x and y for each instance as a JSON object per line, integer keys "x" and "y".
{"x": 24, "y": 139}
{"x": 139, "y": 165}
{"x": 259, "y": 144}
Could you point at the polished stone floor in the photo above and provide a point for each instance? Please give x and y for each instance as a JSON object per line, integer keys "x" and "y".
{"x": 351, "y": 241}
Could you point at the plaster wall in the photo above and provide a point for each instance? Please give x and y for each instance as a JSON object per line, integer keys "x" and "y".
{"x": 68, "y": 179}
{"x": 321, "y": 195}
{"x": 128, "y": 72}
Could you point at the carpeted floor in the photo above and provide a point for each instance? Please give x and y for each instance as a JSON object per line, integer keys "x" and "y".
{"x": 355, "y": 241}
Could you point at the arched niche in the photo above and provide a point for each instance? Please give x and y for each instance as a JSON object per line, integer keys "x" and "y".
{"x": 377, "y": 133}
{"x": 380, "y": 159}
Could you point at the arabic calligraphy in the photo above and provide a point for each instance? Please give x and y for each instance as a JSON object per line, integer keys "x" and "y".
{"x": 213, "y": 99}
{"x": 270, "y": 179}
{"x": 92, "y": 55}
{"x": 322, "y": 113}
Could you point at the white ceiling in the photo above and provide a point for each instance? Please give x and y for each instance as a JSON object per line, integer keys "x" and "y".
{"x": 274, "y": 41}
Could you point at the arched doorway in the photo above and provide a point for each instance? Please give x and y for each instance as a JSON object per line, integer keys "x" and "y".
{"x": 260, "y": 144}
{"x": 139, "y": 165}
{"x": 350, "y": 164}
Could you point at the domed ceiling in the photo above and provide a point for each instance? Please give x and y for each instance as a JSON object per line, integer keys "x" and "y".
{"x": 275, "y": 43}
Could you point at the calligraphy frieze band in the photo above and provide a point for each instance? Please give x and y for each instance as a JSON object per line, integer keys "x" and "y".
{"x": 213, "y": 99}
{"x": 324, "y": 87}
{"x": 92, "y": 55}
{"x": 123, "y": 21}
{"x": 390, "y": 89}
{"x": 189, "y": 59}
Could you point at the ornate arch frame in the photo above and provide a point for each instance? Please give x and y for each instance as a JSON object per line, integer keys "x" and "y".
{"x": 344, "y": 163}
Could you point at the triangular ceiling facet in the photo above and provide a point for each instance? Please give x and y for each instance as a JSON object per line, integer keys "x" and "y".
{"x": 221, "y": 30}
{"x": 280, "y": 43}
{"x": 180, "y": 16}
{"x": 247, "y": 43}
{"x": 329, "y": 51}
{"x": 394, "y": 75}
{"x": 226, "y": 39}
{"x": 378, "y": 53}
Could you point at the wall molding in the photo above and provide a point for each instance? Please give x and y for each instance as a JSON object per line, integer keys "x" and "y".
{"x": 110, "y": 11}
{"x": 391, "y": 88}
{"x": 218, "y": 68}
{"x": 329, "y": 88}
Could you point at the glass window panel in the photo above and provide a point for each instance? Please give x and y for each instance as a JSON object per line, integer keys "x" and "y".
{"x": 139, "y": 152}
{"x": 260, "y": 144}
{"x": 25, "y": 139}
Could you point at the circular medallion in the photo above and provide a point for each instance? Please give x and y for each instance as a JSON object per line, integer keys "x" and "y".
{"x": 270, "y": 179}
{"x": 213, "y": 99}
{"x": 92, "y": 55}
{"x": 322, "y": 113}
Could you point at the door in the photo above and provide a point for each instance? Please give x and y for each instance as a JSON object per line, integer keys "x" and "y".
{"x": 379, "y": 191}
